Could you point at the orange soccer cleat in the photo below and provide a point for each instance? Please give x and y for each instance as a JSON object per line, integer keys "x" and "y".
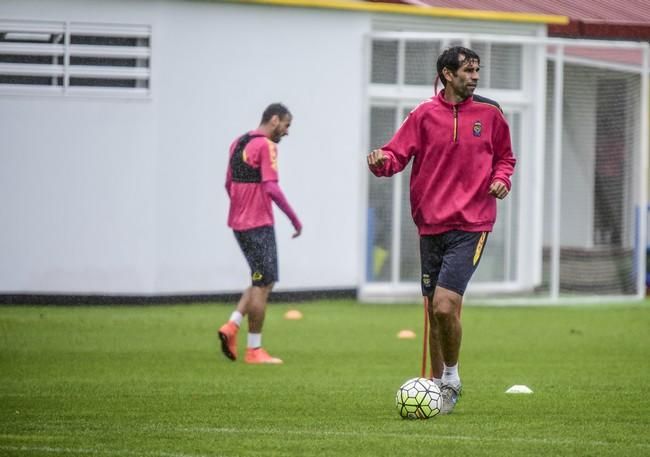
{"x": 259, "y": 355}
{"x": 228, "y": 337}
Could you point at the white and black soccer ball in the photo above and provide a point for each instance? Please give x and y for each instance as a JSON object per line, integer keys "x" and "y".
{"x": 418, "y": 398}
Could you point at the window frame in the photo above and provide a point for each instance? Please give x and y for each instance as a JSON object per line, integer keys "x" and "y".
{"x": 30, "y": 39}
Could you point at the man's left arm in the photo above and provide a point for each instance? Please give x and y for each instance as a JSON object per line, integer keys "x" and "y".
{"x": 269, "y": 170}
{"x": 273, "y": 190}
{"x": 503, "y": 163}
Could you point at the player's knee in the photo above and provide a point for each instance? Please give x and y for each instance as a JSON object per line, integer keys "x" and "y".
{"x": 444, "y": 309}
{"x": 443, "y": 312}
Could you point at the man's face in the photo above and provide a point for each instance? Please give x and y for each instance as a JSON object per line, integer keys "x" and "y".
{"x": 464, "y": 81}
{"x": 280, "y": 128}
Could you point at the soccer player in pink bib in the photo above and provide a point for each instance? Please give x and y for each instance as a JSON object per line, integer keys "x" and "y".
{"x": 462, "y": 162}
{"x": 252, "y": 184}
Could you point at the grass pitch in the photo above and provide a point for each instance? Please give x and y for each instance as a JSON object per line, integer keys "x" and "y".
{"x": 150, "y": 381}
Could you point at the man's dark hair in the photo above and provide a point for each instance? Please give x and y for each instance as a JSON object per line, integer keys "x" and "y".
{"x": 450, "y": 58}
{"x": 275, "y": 109}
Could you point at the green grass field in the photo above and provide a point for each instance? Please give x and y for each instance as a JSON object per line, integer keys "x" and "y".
{"x": 150, "y": 381}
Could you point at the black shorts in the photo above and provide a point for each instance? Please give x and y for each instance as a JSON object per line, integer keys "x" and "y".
{"x": 449, "y": 259}
{"x": 259, "y": 248}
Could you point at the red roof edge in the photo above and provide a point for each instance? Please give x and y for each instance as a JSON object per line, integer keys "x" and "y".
{"x": 582, "y": 29}
{"x": 579, "y": 28}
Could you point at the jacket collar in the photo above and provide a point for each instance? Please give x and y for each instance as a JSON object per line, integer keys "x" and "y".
{"x": 258, "y": 132}
{"x": 443, "y": 101}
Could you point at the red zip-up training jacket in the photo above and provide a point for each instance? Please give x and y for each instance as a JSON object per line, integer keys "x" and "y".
{"x": 458, "y": 150}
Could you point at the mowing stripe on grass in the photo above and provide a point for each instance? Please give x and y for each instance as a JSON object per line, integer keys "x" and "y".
{"x": 410, "y": 436}
{"x": 96, "y": 451}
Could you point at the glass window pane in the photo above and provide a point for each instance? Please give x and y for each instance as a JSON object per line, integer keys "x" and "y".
{"x": 612, "y": 159}
{"x": 499, "y": 259}
{"x": 409, "y": 266}
{"x": 515, "y": 132}
{"x": 420, "y": 62}
{"x": 380, "y": 201}
{"x": 384, "y": 62}
{"x": 409, "y": 238}
{"x": 505, "y": 66}
{"x": 483, "y": 51}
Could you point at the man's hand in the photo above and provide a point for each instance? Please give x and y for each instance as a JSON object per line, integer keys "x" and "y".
{"x": 297, "y": 227}
{"x": 376, "y": 158}
{"x": 498, "y": 189}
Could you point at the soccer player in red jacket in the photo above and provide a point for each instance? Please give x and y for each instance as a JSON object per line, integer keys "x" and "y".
{"x": 462, "y": 162}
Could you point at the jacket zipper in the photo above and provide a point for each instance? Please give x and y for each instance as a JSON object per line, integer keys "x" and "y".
{"x": 455, "y": 124}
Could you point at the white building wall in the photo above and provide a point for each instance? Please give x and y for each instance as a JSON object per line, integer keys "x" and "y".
{"x": 77, "y": 194}
{"x": 126, "y": 196}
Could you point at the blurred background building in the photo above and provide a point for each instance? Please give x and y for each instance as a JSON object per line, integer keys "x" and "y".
{"x": 116, "y": 118}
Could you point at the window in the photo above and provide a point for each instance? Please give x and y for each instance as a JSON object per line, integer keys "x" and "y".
{"x": 384, "y": 62}
{"x": 401, "y": 74}
{"x": 74, "y": 57}
{"x": 413, "y": 62}
{"x": 393, "y": 243}
{"x": 420, "y": 62}
{"x": 503, "y": 63}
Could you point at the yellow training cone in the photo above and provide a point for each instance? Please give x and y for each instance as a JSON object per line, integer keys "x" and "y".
{"x": 406, "y": 335}
{"x": 293, "y": 315}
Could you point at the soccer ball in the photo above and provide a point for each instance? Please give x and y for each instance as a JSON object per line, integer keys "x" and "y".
{"x": 418, "y": 398}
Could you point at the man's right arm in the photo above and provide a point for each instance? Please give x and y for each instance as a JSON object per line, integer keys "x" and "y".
{"x": 376, "y": 159}
{"x": 396, "y": 154}
{"x": 228, "y": 184}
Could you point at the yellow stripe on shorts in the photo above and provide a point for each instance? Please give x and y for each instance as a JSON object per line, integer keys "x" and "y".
{"x": 479, "y": 248}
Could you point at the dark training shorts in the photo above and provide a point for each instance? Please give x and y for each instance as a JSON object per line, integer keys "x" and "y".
{"x": 259, "y": 248}
{"x": 450, "y": 259}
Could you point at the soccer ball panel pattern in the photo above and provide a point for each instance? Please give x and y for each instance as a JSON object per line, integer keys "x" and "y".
{"x": 418, "y": 398}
